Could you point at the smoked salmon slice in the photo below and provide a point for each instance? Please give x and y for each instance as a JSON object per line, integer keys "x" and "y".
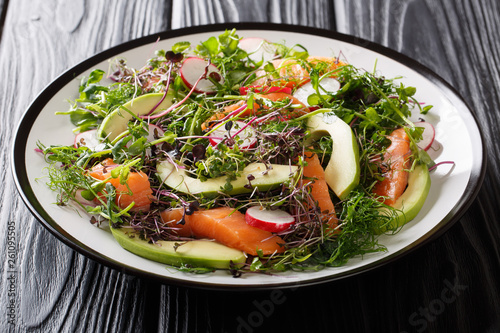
{"x": 138, "y": 183}
{"x": 397, "y": 161}
{"x": 319, "y": 188}
{"x": 227, "y": 226}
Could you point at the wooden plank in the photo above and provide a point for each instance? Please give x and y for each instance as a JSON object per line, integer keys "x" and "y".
{"x": 458, "y": 41}
{"x": 3, "y": 11}
{"x": 55, "y": 289}
{"x": 317, "y": 13}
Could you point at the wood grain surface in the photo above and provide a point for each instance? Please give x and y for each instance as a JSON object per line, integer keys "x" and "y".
{"x": 450, "y": 285}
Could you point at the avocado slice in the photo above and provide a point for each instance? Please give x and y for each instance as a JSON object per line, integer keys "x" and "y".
{"x": 199, "y": 253}
{"x": 116, "y": 122}
{"x": 342, "y": 171}
{"x": 412, "y": 200}
{"x": 179, "y": 179}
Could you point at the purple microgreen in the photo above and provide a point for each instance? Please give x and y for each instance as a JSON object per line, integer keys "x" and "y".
{"x": 191, "y": 207}
{"x": 198, "y": 152}
{"x": 173, "y": 57}
{"x": 172, "y": 195}
{"x": 215, "y": 76}
{"x": 441, "y": 163}
{"x": 176, "y": 105}
{"x": 250, "y": 177}
{"x": 267, "y": 117}
{"x": 164, "y": 94}
{"x": 228, "y": 126}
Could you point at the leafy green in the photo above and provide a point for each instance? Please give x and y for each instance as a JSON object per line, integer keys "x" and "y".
{"x": 90, "y": 87}
{"x": 222, "y": 161}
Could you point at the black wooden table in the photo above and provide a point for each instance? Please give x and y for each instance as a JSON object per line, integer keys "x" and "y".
{"x": 450, "y": 285}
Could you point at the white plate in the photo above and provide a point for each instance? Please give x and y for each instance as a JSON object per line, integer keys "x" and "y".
{"x": 452, "y": 190}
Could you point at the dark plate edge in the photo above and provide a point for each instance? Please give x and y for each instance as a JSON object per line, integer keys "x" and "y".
{"x": 26, "y": 122}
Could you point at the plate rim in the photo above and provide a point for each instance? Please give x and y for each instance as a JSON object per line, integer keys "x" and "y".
{"x": 25, "y": 124}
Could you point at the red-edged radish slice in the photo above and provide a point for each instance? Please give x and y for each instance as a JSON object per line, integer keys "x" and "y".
{"x": 258, "y": 49}
{"x": 191, "y": 70}
{"x": 88, "y": 139}
{"x": 328, "y": 84}
{"x": 155, "y": 132}
{"x": 270, "y": 220}
{"x": 265, "y": 89}
{"x": 427, "y": 136}
{"x": 247, "y": 135}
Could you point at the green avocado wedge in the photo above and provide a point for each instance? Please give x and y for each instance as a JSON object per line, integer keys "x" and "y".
{"x": 179, "y": 179}
{"x": 198, "y": 253}
{"x": 342, "y": 171}
{"x": 412, "y": 200}
{"x": 116, "y": 122}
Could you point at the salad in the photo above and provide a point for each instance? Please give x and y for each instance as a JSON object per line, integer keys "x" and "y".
{"x": 244, "y": 154}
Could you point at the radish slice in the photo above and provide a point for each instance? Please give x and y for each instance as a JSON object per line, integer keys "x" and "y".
{"x": 247, "y": 135}
{"x": 265, "y": 89}
{"x": 155, "y": 132}
{"x": 258, "y": 49}
{"x": 89, "y": 139}
{"x": 328, "y": 84}
{"x": 191, "y": 70}
{"x": 435, "y": 150}
{"x": 270, "y": 220}
{"x": 428, "y": 135}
